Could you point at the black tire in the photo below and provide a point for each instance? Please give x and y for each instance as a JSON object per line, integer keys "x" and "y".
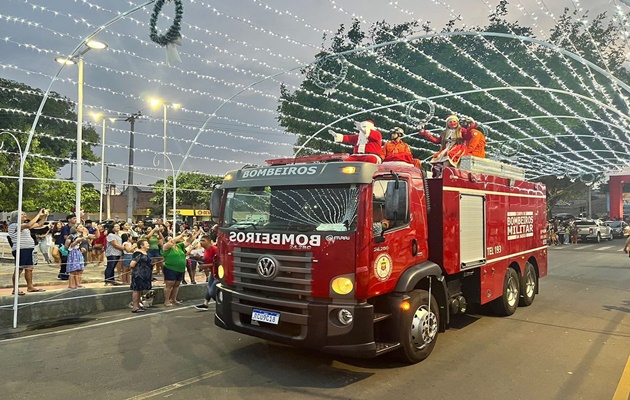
{"x": 508, "y": 303}
{"x": 529, "y": 286}
{"x": 598, "y": 238}
{"x": 419, "y": 327}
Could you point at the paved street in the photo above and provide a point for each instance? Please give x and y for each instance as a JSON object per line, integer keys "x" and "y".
{"x": 572, "y": 343}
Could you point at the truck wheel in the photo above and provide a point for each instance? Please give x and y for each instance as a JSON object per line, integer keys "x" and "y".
{"x": 529, "y": 284}
{"x": 419, "y": 327}
{"x": 508, "y": 303}
{"x": 598, "y": 239}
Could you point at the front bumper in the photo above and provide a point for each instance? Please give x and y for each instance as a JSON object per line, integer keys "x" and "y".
{"x": 315, "y": 326}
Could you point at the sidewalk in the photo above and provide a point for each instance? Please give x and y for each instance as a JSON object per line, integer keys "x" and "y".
{"x": 59, "y": 302}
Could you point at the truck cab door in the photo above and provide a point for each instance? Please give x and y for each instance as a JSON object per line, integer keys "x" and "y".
{"x": 392, "y": 235}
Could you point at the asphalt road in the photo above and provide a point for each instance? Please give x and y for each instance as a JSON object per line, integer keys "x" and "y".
{"x": 572, "y": 343}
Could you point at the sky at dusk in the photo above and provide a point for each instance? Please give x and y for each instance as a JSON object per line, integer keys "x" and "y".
{"x": 227, "y": 46}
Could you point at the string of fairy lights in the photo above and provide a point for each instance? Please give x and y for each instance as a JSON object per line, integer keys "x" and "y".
{"x": 251, "y": 61}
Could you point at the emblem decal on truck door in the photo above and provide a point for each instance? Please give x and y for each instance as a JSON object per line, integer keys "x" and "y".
{"x": 267, "y": 267}
{"x": 383, "y": 267}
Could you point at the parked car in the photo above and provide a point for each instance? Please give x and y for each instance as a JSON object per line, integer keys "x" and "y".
{"x": 620, "y": 228}
{"x": 564, "y": 217}
{"x": 593, "y": 229}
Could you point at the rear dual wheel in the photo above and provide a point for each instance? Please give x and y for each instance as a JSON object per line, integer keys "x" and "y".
{"x": 529, "y": 286}
{"x": 508, "y": 302}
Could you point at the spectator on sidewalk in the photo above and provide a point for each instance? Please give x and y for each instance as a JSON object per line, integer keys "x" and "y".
{"x": 129, "y": 247}
{"x": 210, "y": 262}
{"x": 194, "y": 253}
{"x": 141, "y": 275}
{"x": 156, "y": 240}
{"x": 27, "y": 246}
{"x": 43, "y": 241}
{"x": 113, "y": 252}
{"x": 65, "y": 232}
{"x": 174, "y": 252}
{"x": 76, "y": 257}
{"x": 98, "y": 244}
{"x": 57, "y": 240}
{"x": 139, "y": 229}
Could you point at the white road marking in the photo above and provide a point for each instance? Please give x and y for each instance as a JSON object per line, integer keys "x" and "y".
{"x": 78, "y": 328}
{"x": 605, "y": 248}
{"x": 176, "y": 385}
{"x": 584, "y": 247}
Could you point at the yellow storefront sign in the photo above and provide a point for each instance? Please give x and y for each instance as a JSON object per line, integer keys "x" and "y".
{"x": 190, "y": 212}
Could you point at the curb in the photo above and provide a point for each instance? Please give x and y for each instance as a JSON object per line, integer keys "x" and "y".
{"x": 56, "y": 282}
{"x": 69, "y": 304}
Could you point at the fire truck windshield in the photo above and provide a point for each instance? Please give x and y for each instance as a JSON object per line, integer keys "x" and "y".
{"x": 301, "y": 208}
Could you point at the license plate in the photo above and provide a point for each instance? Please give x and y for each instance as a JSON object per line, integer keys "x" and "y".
{"x": 265, "y": 316}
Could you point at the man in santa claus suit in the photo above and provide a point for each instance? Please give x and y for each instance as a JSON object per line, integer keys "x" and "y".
{"x": 367, "y": 144}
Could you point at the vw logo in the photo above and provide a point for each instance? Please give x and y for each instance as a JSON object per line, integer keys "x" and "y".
{"x": 267, "y": 267}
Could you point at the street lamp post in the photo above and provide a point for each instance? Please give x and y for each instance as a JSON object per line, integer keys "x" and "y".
{"x": 89, "y": 45}
{"x": 16, "y": 271}
{"x": 165, "y": 105}
{"x": 130, "y": 188}
{"x": 174, "y": 190}
{"x": 100, "y": 205}
{"x": 98, "y": 116}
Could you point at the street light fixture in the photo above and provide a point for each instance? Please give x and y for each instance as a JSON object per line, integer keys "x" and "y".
{"x": 78, "y": 59}
{"x": 156, "y": 102}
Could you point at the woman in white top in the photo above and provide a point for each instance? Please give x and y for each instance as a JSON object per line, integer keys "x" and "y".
{"x": 27, "y": 245}
{"x": 113, "y": 251}
{"x": 129, "y": 247}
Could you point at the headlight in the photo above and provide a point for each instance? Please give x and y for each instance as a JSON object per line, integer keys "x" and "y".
{"x": 342, "y": 285}
{"x": 221, "y": 272}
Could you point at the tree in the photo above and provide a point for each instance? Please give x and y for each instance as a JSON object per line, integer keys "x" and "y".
{"x": 562, "y": 189}
{"x": 193, "y": 189}
{"x": 53, "y": 145}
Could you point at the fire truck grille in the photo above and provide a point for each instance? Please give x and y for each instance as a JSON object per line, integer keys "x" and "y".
{"x": 289, "y": 292}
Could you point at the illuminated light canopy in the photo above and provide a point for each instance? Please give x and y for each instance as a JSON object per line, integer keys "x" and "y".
{"x": 551, "y": 108}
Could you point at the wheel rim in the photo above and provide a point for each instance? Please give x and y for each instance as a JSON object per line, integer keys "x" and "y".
{"x": 424, "y": 327}
{"x": 530, "y": 284}
{"x": 512, "y": 291}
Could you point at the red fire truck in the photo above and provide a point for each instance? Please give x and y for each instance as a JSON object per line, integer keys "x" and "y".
{"x": 362, "y": 259}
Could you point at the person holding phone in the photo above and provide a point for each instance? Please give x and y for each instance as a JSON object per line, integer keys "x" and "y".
{"x": 19, "y": 226}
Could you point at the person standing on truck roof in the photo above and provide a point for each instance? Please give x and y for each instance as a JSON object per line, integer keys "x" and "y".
{"x": 452, "y": 146}
{"x": 473, "y": 137}
{"x": 367, "y": 144}
{"x": 397, "y": 150}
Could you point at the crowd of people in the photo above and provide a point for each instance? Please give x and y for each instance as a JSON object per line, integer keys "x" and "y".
{"x": 131, "y": 254}
{"x": 561, "y": 232}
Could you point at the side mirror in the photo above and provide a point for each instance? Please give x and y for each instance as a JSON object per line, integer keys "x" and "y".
{"x": 215, "y": 202}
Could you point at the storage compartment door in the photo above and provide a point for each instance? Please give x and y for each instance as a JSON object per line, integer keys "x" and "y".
{"x": 472, "y": 230}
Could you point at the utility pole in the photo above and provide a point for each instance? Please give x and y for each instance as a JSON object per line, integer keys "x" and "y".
{"x": 130, "y": 189}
